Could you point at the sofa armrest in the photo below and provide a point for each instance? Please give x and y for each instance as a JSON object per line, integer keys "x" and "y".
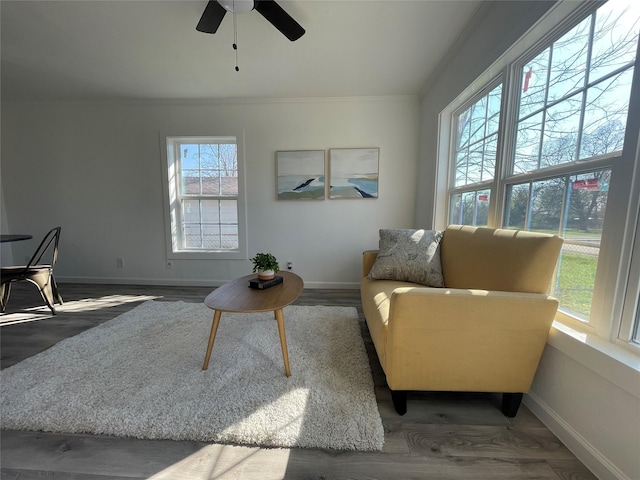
{"x": 368, "y": 259}
{"x": 495, "y": 338}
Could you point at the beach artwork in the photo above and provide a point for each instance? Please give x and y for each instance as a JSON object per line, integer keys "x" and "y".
{"x": 353, "y": 172}
{"x": 300, "y": 175}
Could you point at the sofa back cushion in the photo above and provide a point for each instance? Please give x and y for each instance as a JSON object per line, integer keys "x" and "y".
{"x": 498, "y": 259}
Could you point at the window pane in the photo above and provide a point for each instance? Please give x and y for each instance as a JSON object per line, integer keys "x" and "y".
{"x": 192, "y": 236}
{"x": 190, "y": 182}
{"x": 229, "y": 185}
{"x": 493, "y": 110}
{"x": 605, "y": 116}
{"x": 189, "y": 156}
{"x": 191, "y": 211}
{"x": 517, "y": 206}
{"x": 210, "y": 211}
{"x": 478, "y": 120}
{"x": 528, "y": 145}
{"x": 587, "y": 205}
{"x": 209, "y": 154}
{"x": 534, "y": 84}
{"x": 560, "y": 141}
{"x": 568, "y": 61}
{"x": 576, "y": 279}
{"x": 210, "y": 183}
{"x": 462, "y": 159}
{"x": 546, "y": 205}
{"x": 211, "y": 236}
{"x": 482, "y": 208}
{"x": 474, "y": 165}
{"x": 463, "y": 135}
{"x": 229, "y": 236}
{"x": 489, "y": 157}
{"x": 616, "y": 37}
{"x": 228, "y": 211}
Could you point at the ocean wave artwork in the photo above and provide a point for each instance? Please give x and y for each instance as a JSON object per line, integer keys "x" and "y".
{"x": 301, "y": 175}
{"x": 354, "y": 173}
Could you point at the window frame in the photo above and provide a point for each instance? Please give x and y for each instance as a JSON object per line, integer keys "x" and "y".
{"x": 614, "y": 260}
{"x": 172, "y": 198}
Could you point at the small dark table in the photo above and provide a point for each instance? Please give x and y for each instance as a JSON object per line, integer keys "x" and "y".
{"x": 14, "y": 238}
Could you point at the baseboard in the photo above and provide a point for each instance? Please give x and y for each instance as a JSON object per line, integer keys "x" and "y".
{"x": 573, "y": 440}
{"x": 188, "y": 282}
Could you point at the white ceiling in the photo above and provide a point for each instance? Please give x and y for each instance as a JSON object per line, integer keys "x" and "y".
{"x": 151, "y": 50}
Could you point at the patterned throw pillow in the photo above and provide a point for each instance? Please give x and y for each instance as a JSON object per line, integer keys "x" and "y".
{"x": 409, "y": 256}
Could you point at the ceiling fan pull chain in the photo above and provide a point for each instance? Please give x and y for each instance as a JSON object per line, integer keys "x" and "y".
{"x": 235, "y": 35}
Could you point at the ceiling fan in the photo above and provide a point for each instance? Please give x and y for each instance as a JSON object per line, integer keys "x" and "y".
{"x": 215, "y": 11}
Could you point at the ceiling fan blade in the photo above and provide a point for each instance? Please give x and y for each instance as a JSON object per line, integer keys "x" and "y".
{"x": 280, "y": 19}
{"x": 211, "y": 17}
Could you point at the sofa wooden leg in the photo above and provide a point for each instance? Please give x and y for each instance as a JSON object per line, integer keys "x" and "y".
{"x": 399, "y": 399}
{"x": 511, "y": 403}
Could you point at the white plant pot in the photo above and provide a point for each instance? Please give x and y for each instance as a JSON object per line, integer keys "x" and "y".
{"x": 266, "y": 274}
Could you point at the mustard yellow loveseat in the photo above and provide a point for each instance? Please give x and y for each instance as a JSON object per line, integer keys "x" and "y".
{"x": 484, "y": 330}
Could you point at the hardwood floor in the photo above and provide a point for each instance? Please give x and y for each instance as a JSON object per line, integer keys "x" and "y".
{"x": 442, "y": 436}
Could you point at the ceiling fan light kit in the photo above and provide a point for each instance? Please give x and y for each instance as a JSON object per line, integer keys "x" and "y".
{"x": 237, "y": 6}
{"x": 215, "y": 11}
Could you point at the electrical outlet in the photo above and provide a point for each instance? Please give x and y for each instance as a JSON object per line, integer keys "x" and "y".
{"x": 169, "y": 264}
{"x": 120, "y": 262}
{"x": 289, "y": 265}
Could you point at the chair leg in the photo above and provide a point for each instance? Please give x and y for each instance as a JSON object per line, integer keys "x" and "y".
{"x": 399, "y": 399}
{"x": 511, "y": 404}
{"x": 5, "y": 291}
{"x": 56, "y": 294}
{"x": 43, "y": 282}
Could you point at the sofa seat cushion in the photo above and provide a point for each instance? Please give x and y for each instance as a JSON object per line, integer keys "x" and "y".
{"x": 376, "y": 298}
{"x": 410, "y": 256}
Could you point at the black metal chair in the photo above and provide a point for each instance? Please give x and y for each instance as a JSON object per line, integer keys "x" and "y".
{"x": 36, "y": 272}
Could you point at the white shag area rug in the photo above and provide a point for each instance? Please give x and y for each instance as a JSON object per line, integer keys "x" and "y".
{"x": 140, "y": 375}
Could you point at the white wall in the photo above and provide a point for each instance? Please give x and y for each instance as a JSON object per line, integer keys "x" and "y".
{"x": 95, "y": 169}
{"x": 590, "y": 400}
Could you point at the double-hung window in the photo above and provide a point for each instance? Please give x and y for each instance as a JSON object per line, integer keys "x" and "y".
{"x": 539, "y": 146}
{"x": 204, "y": 194}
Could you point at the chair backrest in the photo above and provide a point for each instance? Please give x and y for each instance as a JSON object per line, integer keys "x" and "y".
{"x": 49, "y": 245}
{"x": 498, "y": 259}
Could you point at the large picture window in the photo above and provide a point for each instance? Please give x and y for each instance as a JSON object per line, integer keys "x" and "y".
{"x": 540, "y": 147}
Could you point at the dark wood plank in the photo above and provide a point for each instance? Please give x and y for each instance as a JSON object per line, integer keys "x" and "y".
{"x": 443, "y": 435}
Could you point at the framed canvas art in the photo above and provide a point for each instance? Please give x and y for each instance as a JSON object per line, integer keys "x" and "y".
{"x": 353, "y": 172}
{"x": 300, "y": 175}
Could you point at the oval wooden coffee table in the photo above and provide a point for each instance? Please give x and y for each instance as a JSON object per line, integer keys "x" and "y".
{"x": 236, "y": 296}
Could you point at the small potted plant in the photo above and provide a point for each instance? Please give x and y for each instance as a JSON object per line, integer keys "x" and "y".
{"x": 265, "y": 265}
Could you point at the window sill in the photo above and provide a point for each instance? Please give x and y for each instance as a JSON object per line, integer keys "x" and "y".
{"x": 618, "y": 365}
{"x": 207, "y": 255}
